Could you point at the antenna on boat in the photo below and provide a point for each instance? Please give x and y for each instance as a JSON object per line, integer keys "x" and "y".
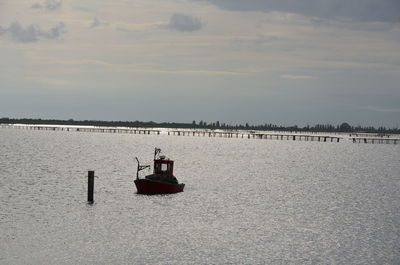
{"x": 156, "y": 152}
{"x": 140, "y": 168}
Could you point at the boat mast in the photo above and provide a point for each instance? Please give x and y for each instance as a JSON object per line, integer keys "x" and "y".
{"x": 156, "y": 152}
{"x": 140, "y": 168}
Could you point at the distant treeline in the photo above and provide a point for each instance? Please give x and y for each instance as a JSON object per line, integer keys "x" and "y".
{"x": 344, "y": 127}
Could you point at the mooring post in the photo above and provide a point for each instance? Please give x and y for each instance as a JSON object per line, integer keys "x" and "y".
{"x": 90, "y": 186}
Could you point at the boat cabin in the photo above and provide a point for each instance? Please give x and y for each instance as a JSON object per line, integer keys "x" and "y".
{"x": 162, "y": 180}
{"x": 163, "y": 166}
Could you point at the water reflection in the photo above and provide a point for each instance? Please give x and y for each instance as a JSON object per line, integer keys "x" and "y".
{"x": 245, "y": 201}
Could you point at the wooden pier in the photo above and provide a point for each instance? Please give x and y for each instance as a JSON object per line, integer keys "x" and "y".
{"x": 96, "y": 129}
{"x": 291, "y": 136}
{"x": 256, "y": 135}
{"x": 375, "y": 140}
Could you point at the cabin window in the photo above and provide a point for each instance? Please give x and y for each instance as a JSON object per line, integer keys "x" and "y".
{"x": 164, "y": 167}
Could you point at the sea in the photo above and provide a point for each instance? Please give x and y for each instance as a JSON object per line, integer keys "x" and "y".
{"x": 246, "y": 201}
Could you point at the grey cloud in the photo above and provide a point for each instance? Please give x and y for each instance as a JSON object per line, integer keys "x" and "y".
{"x": 355, "y": 25}
{"x": 32, "y": 33}
{"x": 98, "y": 23}
{"x": 49, "y": 5}
{"x": 83, "y": 9}
{"x": 355, "y": 10}
{"x": 95, "y": 23}
{"x": 53, "y": 4}
{"x": 55, "y": 32}
{"x": 183, "y": 22}
{"x": 120, "y": 28}
{"x": 37, "y": 6}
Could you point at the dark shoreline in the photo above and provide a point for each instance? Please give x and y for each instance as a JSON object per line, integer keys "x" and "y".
{"x": 344, "y": 127}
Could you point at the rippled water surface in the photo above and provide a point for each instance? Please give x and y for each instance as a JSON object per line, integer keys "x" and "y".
{"x": 246, "y": 201}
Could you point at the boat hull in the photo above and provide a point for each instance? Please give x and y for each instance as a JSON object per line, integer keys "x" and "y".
{"x": 145, "y": 186}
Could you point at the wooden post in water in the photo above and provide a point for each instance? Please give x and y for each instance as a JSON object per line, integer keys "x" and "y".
{"x": 90, "y": 186}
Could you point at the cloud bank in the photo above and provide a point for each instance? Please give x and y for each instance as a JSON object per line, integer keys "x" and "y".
{"x": 298, "y": 77}
{"x": 183, "y": 22}
{"x": 31, "y": 33}
{"x": 49, "y": 5}
{"x": 355, "y": 10}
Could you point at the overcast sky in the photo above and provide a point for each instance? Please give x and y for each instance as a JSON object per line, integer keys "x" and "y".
{"x": 258, "y": 61}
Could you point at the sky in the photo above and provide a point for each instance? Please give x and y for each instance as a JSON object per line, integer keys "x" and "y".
{"x": 284, "y": 62}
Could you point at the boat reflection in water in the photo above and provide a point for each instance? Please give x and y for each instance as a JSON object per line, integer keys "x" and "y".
{"x": 162, "y": 181}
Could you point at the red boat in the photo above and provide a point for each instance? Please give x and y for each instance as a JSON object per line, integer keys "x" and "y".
{"x": 162, "y": 180}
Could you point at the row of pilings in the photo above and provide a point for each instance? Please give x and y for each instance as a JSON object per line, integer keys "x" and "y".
{"x": 96, "y": 129}
{"x": 253, "y": 135}
{"x": 293, "y": 136}
{"x": 375, "y": 140}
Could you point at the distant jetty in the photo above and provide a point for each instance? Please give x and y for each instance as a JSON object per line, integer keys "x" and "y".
{"x": 319, "y": 128}
{"x": 367, "y": 138}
